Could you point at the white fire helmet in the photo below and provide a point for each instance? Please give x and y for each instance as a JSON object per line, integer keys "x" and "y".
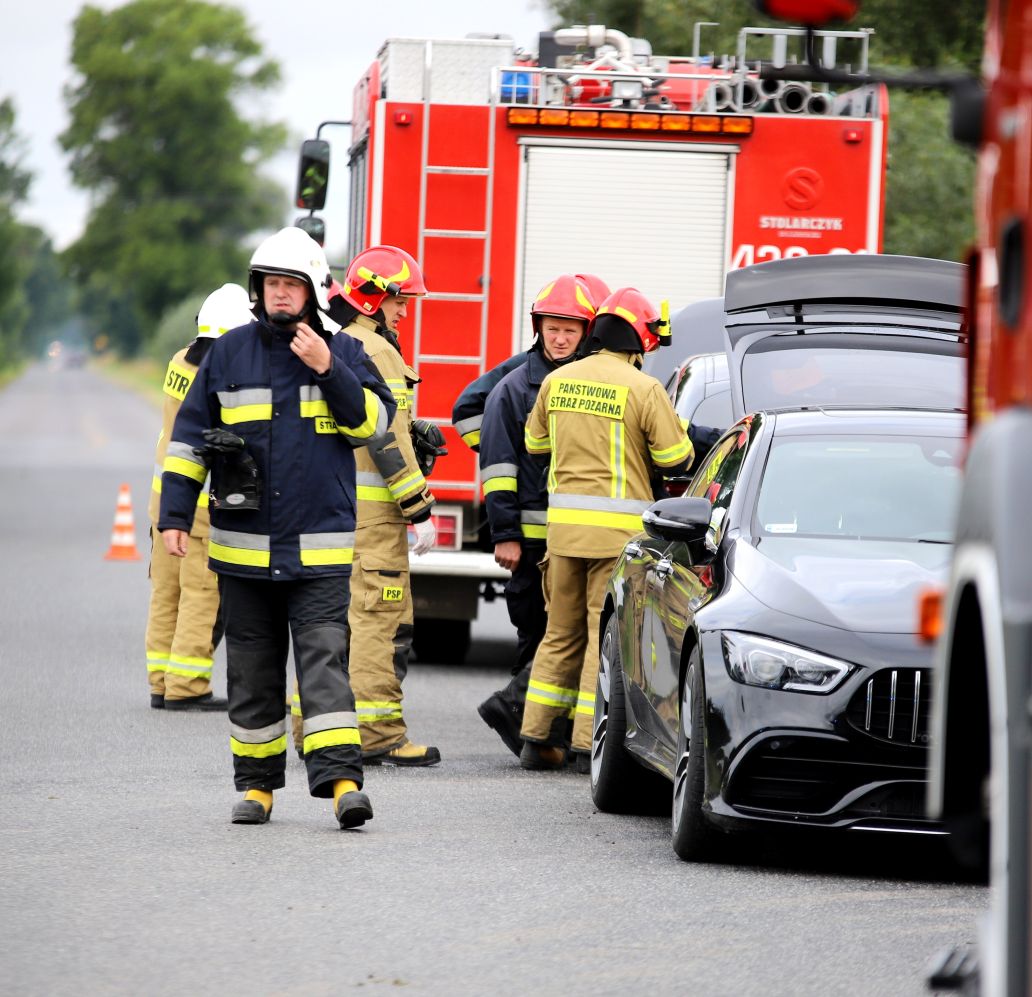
{"x": 295, "y": 254}
{"x": 223, "y": 310}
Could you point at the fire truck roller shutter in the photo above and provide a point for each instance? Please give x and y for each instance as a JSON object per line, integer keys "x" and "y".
{"x": 650, "y": 218}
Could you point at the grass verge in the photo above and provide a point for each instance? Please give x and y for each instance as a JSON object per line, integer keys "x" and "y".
{"x": 142, "y": 375}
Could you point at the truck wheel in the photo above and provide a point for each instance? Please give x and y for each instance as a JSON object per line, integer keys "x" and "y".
{"x": 441, "y": 642}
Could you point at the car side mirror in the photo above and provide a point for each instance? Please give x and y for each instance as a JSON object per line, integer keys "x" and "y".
{"x": 681, "y": 520}
{"x": 313, "y": 174}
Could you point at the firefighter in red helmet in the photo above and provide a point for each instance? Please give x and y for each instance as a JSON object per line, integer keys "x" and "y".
{"x": 607, "y": 427}
{"x": 392, "y": 495}
{"x": 514, "y": 485}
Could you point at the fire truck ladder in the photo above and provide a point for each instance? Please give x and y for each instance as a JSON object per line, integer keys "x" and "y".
{"x": 476, "y": 362}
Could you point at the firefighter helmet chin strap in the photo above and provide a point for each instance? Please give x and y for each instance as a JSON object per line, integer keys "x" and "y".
{"x": 373, "y": 281}
{"x": 284, "y": 319}
{"x": 660, "y": 327}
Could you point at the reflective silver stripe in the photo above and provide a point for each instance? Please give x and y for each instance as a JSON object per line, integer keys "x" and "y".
{"x": 310, "y": 393}
{"x": 464, "y": 426}
{"x": 245, "y": 541}
{"x": 499, "y": 471}
{"x": 329, "y": 721}
{"x": 326, "y": 541}
{"x": 370, "y": 478}
{"x": 245, "y": 396}
{"x": 259, "y": 735}
{"x": 534, "y": 518}
{"x": 184, "y": 452}
{"x": 597, "y": 503}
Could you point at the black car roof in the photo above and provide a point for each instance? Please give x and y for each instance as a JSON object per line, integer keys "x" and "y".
{"x": 904, "y": 281}
{"x": 851, "y": 418}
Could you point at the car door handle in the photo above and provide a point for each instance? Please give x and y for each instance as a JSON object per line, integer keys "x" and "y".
{"x": 663, "y": 567}
{"x": 632, "y": 549}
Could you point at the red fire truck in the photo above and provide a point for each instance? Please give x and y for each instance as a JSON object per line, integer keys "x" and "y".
{"x": 498, "y": 170}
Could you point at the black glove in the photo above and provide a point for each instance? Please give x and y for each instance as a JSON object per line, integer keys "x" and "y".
{"x": 235, "y": 483}
{"x": 220, "y": 441}
{"x": 428, "y": 443}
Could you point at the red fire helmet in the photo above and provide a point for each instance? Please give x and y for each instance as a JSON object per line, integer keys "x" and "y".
{"x": 379, "y": 271}
{"x": 598, "y": 288}
{"x": 651, "y": 325}
{"x": 565, "y": 297}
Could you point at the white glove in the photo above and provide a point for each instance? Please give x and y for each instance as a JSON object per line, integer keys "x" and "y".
{"x": 426, "y": 536}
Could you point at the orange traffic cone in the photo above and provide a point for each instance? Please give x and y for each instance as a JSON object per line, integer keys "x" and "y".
{"x": 123, "y": 537}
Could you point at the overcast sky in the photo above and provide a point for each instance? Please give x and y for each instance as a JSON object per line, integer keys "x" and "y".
{"x": 322, "y": 47}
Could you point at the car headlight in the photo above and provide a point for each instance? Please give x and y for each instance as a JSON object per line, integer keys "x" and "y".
{"x": 769, "y": 663}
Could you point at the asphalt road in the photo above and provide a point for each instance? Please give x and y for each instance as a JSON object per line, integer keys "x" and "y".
{"x": 121, "y": 874}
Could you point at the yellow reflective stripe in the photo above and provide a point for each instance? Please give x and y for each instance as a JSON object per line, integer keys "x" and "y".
{"x": 551, "y": 695}
{"x": 552, "y": 483}
{"x": 586, "y": 704}
{"x": 413, "y": 483}
{"x": 156, "y": 661}
{"x": 187, "y": 468}
{"x": 155, "y": 484}
{"x": 332, "y": 555}
{"x": 277, "y": 746}
{"x": 179, "y": 664}
{"x": 588, "y": 517}
{"x": 238, "y": 555}
{"x": 472, "y": 439}
{"x": 309, "y": 410}
{"x": 370, "y": 711}
{"x": 534, "y": 532}
{"x": 372, "y": 493}
{"x": 500, "y": 484}
{"x": 245, "y": 413}
{"x": 671, "y": 455}
{"x": 618, "y": 481}
{"x": 373, "y": 407}
{"x": 624, "y": 313}
{"x": 536, "y": 444}
{"x": 202, "y": 500}
{"x": 331, "y": 738}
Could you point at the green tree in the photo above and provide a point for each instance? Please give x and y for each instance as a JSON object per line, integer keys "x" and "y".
{"x": 14, "y": 187}
{"x": 929, "y": 201}
{"x": 158, "y": 136}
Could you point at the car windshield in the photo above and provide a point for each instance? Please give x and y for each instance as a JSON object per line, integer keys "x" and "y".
{"x": 853, "y": 369}
{"x": 864, "y": 487}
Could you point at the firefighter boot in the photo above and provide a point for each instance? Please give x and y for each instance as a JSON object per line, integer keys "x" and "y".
{"x": 203, "y": 703}
{"x": 254, "y": 808}
{"x": 351, "y": 807}
{"x": 541, "y": 757}
{"x": 406, "y": 754}
{"x": 503, "y": 711}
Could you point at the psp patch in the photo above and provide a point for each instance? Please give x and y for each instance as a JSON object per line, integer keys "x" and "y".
{"x": 393, "y": 593}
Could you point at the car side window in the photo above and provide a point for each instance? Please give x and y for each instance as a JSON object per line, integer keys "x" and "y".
{"x": 718, "y": 478}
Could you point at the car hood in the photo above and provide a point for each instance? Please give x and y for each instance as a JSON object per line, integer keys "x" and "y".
{"x": 867, "y": 586}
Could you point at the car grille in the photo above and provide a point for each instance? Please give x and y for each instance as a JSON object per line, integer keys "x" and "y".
{"x": 894, "y": 705}
{"x": 821, "y": 775}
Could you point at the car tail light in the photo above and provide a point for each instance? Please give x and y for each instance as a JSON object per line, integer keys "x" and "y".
{"x": 447, "y": 520}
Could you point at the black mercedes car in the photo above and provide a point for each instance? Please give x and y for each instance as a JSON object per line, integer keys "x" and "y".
{"x": 758, "y": 646}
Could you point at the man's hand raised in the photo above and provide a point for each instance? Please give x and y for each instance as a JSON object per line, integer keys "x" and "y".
{"x": 311, "y": 348}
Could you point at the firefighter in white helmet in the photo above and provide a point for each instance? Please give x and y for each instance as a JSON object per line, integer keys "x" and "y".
{"x": 275, "y": 413}
{"x": 609, "y": 429}
{"x": 393, "y": 495}
{"x": 184, "y": 602}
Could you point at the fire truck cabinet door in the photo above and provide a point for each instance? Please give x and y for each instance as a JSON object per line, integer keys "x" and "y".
{"x": 636, "y": 215}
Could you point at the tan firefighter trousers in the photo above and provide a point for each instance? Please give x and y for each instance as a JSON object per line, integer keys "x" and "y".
{"x": 562, "y": 680}
{"x": 184, "y": 604}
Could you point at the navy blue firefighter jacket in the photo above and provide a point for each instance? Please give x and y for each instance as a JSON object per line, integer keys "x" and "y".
{"x": 301, "y": 429}
{"x": 514, "y": 481}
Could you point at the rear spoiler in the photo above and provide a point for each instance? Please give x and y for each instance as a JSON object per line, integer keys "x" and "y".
{"x": 848, "y": 279}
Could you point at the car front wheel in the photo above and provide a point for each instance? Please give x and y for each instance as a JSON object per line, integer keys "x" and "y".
{"x": 691, "y": 833}
{"x": 618, "y": 784}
